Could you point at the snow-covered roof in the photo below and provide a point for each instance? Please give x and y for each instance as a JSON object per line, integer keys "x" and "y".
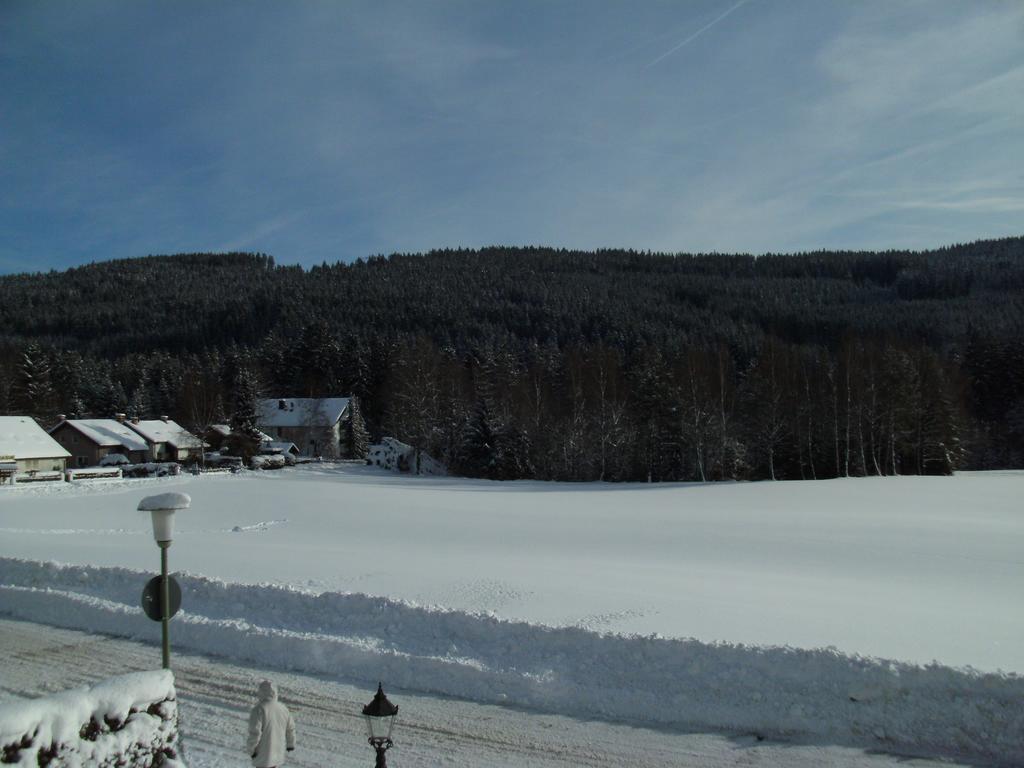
{"x": 107, "y": 433}
{"x": 300, "y": 411}
{"x": 160, "y": 431}
{"x": 225, "y": 431}
{"x": 22, "y": 438}
{"x": 279, "y": 446}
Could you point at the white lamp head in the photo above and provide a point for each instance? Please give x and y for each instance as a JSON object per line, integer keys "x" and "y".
{"x": 162, "y": 508}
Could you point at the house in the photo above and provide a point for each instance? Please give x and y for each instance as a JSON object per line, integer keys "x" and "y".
{"x": 314, "y": 424}
{"x": 167, "y": 440}
{"x": 217, "y": 435}
{"x": 25, "y": 447}
{"x": 89, "y": 440}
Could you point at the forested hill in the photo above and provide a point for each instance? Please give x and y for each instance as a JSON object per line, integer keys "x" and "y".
{"x": 466, "y": 299}
{"x": 514, "y": 362}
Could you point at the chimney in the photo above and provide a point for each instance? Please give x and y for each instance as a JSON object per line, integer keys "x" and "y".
{"x": 135, "y": 419}
{"x": 120, "y": 417}
{"x": 281, "y": 405}
{"x": 163, "y": 419}
{"x": 62, "y": 417}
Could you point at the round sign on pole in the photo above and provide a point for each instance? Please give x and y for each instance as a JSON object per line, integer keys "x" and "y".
{"x": 151, "y": 598}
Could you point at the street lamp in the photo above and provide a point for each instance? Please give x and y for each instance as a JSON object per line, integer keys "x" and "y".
{"x": 380, "y": 720}
{"x": 162, "y": 508}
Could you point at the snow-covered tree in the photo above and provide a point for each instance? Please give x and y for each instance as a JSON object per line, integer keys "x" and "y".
{"x": 245, "y": 435}
{"x": 476, "y": 455}
{"x": 33, "y": 388}
{"x": 355, "y": 439}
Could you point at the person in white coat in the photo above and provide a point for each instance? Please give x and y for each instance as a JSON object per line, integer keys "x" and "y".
{"x": 271, "y": 729}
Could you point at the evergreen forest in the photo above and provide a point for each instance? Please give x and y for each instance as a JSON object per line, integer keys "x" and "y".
{"x": 510, "y": 363}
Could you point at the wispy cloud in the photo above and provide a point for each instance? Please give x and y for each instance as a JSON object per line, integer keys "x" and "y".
{"x": 259, "y": 232}
{"x": 970, "y": 205}
{"x": 697, "y": 34}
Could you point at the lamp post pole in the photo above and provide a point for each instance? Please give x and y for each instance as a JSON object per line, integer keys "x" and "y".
{"x": 162, "y": 508}
{"x": 165, "y": 594}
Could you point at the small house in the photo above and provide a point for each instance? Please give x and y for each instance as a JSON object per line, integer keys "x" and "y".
{"x": 89, "y": 440}
{"x": 313, "y": 424}
{"x": 26, "y": 448}
{"x": 217, "y": 435}
{"x": 167, "y": 440}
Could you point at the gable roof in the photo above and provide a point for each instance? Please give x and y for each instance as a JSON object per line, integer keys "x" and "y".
{"x": 300, "y": 411}
{"x": 160, "y": 431}
{"x": 22, "y": 438}
{"x": 107, "y": 433}
{"x": 279, "y": 446}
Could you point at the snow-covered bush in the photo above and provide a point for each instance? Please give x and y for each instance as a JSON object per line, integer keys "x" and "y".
{"x": 268, "y": 461}
{"x": 113, "y": 460}
{"x": 401, "y": 457}
{"x": 152, "y": 469}
{"x": 129, "y": 720}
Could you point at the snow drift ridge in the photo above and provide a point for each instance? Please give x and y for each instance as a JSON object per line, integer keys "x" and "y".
{"x": 646, "y": 680}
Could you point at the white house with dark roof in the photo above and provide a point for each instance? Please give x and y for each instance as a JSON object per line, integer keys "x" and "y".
{"x": 89, "y": 440}
{"x": 313, "y": 424}
{"x": 25, "y": 447}
{"x": 167, "y": 440}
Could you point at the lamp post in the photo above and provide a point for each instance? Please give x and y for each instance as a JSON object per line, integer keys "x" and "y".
{"x": 380, "y": 720}
{"x": 162, "y": 508}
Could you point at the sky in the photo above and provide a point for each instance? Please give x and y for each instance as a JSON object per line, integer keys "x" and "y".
{"x": 327, "y": 131}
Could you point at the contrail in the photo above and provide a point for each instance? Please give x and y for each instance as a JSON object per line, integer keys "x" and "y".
{"x": 696, "y": 34}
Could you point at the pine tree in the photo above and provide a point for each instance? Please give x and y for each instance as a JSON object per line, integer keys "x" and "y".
{"x": 138, "y": 405}
{"x": 511, "y": 454}
{"x": 68, "y": 373}
{"x": 245, "y": 435}
{"x": 356, "y": 440}
{"x": 477, "y": 456}
{"x": 33, "y": 390}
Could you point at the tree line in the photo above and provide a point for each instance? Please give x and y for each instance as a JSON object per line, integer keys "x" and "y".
{"x": 527, "y": 362}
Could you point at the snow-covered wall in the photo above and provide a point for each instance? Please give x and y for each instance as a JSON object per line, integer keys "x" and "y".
{"x": 129, "y": 720}
{"x": 781, "y": 692}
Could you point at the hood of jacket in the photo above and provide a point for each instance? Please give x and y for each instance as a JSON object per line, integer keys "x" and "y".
{"x": 267, "y": 691}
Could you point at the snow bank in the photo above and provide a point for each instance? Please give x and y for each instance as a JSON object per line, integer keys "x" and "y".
{"x": 130, "y": 720}
{"x": 38, "y": 477}
{"x": 93, "y": 473}
{"x": 643, "y": 679}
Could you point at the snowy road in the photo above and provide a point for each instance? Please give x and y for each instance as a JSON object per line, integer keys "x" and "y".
{"x": 215, "y": 695}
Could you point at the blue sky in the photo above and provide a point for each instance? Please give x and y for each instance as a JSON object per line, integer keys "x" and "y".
{"x": 319, "y": 131}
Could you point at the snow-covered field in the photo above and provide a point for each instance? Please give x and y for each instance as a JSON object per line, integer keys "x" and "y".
{"x": 911, "y": 569}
